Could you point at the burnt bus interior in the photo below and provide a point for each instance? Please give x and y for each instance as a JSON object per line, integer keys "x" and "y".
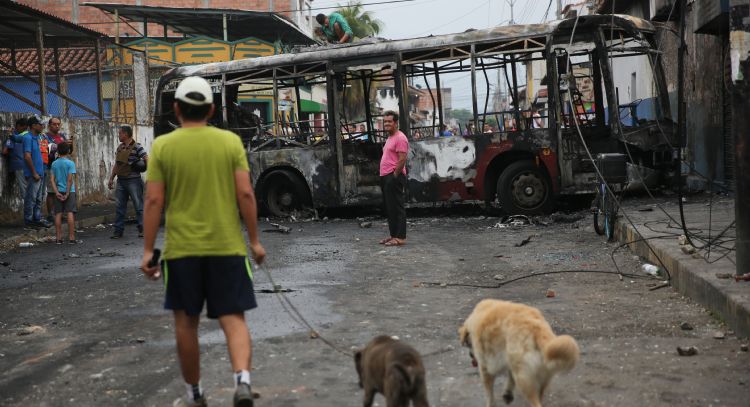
{"x": 566, "y": 87}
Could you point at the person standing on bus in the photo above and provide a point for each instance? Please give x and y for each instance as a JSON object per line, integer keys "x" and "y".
{"x": 393, "y": 179}
{"x": 334, "y": 28}
{"x": 205, "y": 254}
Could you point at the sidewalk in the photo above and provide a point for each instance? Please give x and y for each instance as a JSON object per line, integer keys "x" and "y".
{"x": 705, "y": 276}
{"x": 88, "y": 215}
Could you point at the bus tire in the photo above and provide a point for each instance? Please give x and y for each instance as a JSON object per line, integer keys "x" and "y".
{"x": 284, "y": 192}
{"x": 523, "y": 188}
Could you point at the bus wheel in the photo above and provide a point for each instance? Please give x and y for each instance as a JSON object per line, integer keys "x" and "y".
{"x": 524, "y": 189}
{"x": 284, "y": 192}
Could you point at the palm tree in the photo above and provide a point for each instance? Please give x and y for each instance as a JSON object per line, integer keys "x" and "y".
{"x": 361, "y": 22}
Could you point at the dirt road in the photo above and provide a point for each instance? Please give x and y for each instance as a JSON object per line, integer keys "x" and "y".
{"x": 80, "y": 325}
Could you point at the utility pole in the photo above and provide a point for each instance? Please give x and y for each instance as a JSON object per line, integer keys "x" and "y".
{"x": 511, "y": 3}
{"x": 739, "y": 51}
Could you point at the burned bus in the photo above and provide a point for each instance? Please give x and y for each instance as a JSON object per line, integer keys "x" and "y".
{"x": 545, "y": 99}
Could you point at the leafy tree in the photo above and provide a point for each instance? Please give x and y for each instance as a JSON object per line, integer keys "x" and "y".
{"x": 361, "y": 22}
{"x": 462, "y": 115}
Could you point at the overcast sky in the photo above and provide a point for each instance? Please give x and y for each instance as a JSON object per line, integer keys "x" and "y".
{"x": 420, "y": 18}
{"x": 424, "y": 17}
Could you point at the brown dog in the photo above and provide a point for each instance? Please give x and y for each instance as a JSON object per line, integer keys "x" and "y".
{"x": 515, "y": 338}
{"x": 393, "y": 368}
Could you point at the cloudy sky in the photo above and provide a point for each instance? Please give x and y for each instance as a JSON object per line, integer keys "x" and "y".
{"x": 424, "y": 17}
{"x": 418, "y": 18}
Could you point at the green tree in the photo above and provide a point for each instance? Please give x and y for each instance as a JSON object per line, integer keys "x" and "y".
{"x": 361, "y": 22}
{"x": 462, "y": 115}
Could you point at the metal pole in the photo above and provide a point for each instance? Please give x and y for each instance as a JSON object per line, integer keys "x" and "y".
{"x": 439, "y": 91}
{"x": 740, "y": 89}
{"x": 275, "y": 109}
{"x": 42, "y": 72}
{"x": 224, "y": 26}
{"x": 99, "y": 100}
{"x": 117, "y": 26}
{"x": 559, "y": 9}
{"x": 475, "y": 108}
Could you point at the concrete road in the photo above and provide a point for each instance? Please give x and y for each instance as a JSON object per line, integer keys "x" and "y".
{"x": 81, "y": 326}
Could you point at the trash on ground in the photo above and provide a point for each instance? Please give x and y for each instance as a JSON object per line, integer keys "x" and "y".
{"x": 686, "y": 326}
{"x": 33, "y": 329}
{"x": 278, "y": 229}
{"x": 687, "y": 351}
{"x": 499, "y": 277}
{"x": 524, "y": 242}
{"x": 26, "y": 244}
{"x": 365, "y": 225}
{"x": 550, "y": 293}
{"x": 719, "y": 335}
{"x": 688, "y": 249}
{"x": 650, "y": 269}
{"x": 724, "y": 276}
{"x": 744, "y": 347}
{"x": 682, "y": 240}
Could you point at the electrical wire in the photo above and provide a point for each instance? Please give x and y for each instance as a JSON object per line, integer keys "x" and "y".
{"x": 534, "y": 274}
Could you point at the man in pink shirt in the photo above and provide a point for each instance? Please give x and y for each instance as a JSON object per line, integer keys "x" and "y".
{"x": 393, "y": 179}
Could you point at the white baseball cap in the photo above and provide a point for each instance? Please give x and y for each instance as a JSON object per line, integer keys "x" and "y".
{"x": 195, "y": 91}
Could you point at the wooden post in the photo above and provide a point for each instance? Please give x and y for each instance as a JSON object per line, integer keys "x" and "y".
{"x": 42, "y": 72}
{"x": 99, "y": 100}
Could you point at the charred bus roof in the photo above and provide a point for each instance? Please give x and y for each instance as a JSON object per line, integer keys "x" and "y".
{"x": 501, "y": 39}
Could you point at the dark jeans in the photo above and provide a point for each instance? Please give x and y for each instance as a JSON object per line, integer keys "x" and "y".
{"x": 394, "y": 192}
{"x": 32, "y": 200}
{"x": 133, "y": 188}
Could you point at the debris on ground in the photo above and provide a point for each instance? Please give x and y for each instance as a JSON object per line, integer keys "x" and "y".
{"x": 686, "y": 326}
{"x": 278, "y": 229}
{"x": 559, "y": 217}
{"x": 550, "y": 293}
{"x": 365, "y": 225}
{"x": 100, "y": 226}
{"x": 499, "y": 277}
{"x": 682, "y": 240}
{"x": 687, "y": 351}
{"x": 687, "y": 249}
{"x": 33, "y": 329}
{"x": 514, "y": 221}
{"x": 650, "y": 269}
{"x": 719, "y": 335}
{"x": 524, "y": 242}
{"x": 724, "y": 276}
{"x": 744, "y": 347}
{"x": 645, "y": 209}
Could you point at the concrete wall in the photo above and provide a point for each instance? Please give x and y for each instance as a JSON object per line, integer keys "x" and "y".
{"x": 94, "y": 153}
{"x": 704, "y": 87}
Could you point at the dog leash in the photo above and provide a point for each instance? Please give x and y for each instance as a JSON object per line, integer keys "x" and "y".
{"x": 297, "y": 315}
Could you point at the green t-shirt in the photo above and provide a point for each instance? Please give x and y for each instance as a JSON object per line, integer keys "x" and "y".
{"x": 197, "y": 168}
{"x": 330, "y": 31}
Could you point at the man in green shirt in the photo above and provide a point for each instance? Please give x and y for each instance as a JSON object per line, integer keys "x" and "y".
{"x": 202, "y": 175}
{"x": 334, "y": 28}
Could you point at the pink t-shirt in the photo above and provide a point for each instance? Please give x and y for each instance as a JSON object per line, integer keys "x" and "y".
{"x": 397, "y": 143}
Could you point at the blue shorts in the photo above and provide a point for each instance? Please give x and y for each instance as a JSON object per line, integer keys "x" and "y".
{"x": 224, "y": 283}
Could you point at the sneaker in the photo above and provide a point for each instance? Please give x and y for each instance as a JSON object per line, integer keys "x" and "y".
{"x": 183, "y": 402}
{"x": 140, "y": 231}
{"x": 243, "y": 396}
{"x": 58, "y": 242}
{"x": 43, "y": 223}
{"x": 116, "y": 235}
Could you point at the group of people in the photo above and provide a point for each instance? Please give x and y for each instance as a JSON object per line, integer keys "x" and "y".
{"x": 39, "y": 163}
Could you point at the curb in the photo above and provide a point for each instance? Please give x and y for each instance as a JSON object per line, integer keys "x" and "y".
{"x": 694, "y": 278}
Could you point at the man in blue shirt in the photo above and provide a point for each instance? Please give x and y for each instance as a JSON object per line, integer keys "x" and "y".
{"x": 34, "y": 173}
{"x": 13, "y": 150}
